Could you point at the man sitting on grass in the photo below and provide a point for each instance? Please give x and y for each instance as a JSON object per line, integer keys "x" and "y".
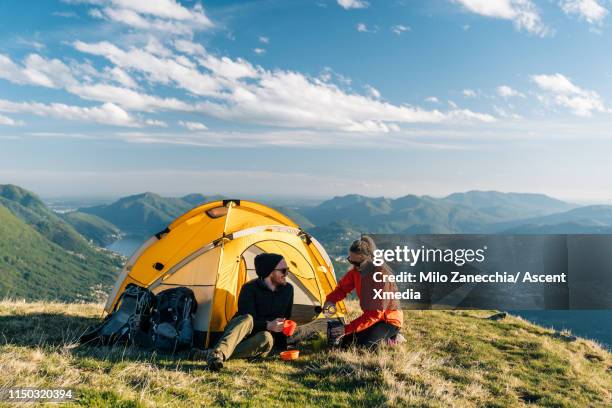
{"x": 263, "y": 305}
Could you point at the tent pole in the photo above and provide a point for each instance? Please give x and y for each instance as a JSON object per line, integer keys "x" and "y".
{"x": 230, "y": 205}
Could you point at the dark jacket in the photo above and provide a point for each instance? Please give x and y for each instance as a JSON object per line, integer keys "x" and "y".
{"x": 265, "y": 305}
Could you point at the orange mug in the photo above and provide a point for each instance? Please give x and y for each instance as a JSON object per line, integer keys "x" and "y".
{"x": 289, "y": 355}
{"x": 289, "y": 328}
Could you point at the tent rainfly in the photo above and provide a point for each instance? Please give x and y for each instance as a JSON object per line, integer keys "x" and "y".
{"x": 211, "y": 249}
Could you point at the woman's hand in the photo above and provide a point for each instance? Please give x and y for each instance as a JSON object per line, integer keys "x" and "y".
{"x": 276, "y": 325}
{"x": 328, "y": 304}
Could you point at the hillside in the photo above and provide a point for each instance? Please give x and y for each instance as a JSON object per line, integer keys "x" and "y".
{"x": 141, "y": 214}
{"x": 33, "y": 267}
{"x": 451, "y": 359}
{"x": 469, "y": 212}
{"x": 145, "y": 214}
{"x": 43, "y": 257}
{"x": 26, "y": 206}
{"x": 99, "y": 231}
{"x": 509, "y": 205}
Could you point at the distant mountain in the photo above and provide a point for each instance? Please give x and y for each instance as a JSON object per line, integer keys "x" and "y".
{"x": 509, "y": 205}
{"x": 141, "y": 214}
{"x": 148, "y": 213}
{"x": 296, "y": 216}
{"x": 43, "y": 257}
{"x": 469, "y": 212}
{"x": 335, "y": 219}
{"x": 386, "y": 215}
{"x": 92, "y": 227}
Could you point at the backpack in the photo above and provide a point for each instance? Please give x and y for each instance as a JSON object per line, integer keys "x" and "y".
{"x": 171, "y": 326}
{"x": 128, "y": 320}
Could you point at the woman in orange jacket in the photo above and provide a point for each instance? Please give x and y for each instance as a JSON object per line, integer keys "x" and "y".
{"x": 381, "y": 320}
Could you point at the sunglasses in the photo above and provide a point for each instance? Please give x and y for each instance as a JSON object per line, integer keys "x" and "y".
{"x": 354, "y": 263}
{"x": 284, "y": 271}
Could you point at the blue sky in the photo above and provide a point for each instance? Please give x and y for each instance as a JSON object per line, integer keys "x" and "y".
{"x": 306, "y": 98}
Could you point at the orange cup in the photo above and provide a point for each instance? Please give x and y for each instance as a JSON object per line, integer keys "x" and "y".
{"x": 289, "y": 327}
{"x": 289, "y": 355}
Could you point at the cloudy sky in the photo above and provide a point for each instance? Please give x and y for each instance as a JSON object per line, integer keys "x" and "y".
{"x": 307, "y": 98}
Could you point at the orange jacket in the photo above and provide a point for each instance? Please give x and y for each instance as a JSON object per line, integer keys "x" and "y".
{"x": 350, "y": 281}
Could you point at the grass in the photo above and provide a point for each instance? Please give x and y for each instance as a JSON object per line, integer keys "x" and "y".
{"x": 451, "y": 359}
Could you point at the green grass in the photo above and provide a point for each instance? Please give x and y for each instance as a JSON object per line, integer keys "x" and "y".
{"x": 451, "y": 359}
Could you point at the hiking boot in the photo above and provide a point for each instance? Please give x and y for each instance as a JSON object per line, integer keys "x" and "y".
{"x": 215, "y": 360}
{"x": 198, "y": 354}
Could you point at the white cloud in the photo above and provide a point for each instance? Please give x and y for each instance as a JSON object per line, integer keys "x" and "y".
{"x": 556, "y": 83}
{"x": 161, "y": 70}
{"x": 589, "y": 10}
{"x": 362, "y": 28}
{"x": 373, "y": 92}
{"x": 469, "y": 93}
{"x": 264, "y": 40}
{"x": 504, "y": 113}
{"x": 290, "y": 99}
{"x": 399, "y": 29}
{"x": 466, "y": 114}
{"x": 108, "y": 113}
{"x": 30, "y": 43}
{"x": 228, "y": 68}
{"x": 121, "y": 77}
{"x": 259, "y": 51}
{"x": 128, "y": 98}
{"x": 193, "y": 125}
{"x": 159, "y": 15}
{"x": 507, "y": 92}
{"x": 155, "y": 122}
{"x": 277, "y": 98}
{"x": 581, "y": 102}
{"x": 452, "y": 104}
{"x": 220, "y": 87}
{"x": 353, "y": 4}
{"x": 432, "y": 99}
{"x": 36, "y": 70}
{"x": 189, "y": 47}
{"x": 523, "y": 13}
{"x": 6, "y": 121}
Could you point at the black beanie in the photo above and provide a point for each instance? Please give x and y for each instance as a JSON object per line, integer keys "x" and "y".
{"x": 265, "y": 264}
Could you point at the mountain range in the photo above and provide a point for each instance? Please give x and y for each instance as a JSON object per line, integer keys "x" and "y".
{"x": 46, "y": 254}
{"x": 339, "y": 220}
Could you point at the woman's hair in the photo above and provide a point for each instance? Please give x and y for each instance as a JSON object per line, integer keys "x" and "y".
{"x": 365, "y": 246}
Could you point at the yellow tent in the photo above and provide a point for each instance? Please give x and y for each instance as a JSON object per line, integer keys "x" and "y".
{"x": 211, "y": 249}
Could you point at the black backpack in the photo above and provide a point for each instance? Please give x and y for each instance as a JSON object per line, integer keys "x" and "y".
{"x": 128, "y": 320}
{"x": 171, "y": 326}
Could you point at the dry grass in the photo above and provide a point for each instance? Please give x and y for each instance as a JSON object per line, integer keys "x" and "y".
{"x": 451, "y": 359}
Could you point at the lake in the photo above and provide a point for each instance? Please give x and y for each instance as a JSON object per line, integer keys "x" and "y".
{"x": 126, "y": 245}
{"x": 591, "y": 324}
